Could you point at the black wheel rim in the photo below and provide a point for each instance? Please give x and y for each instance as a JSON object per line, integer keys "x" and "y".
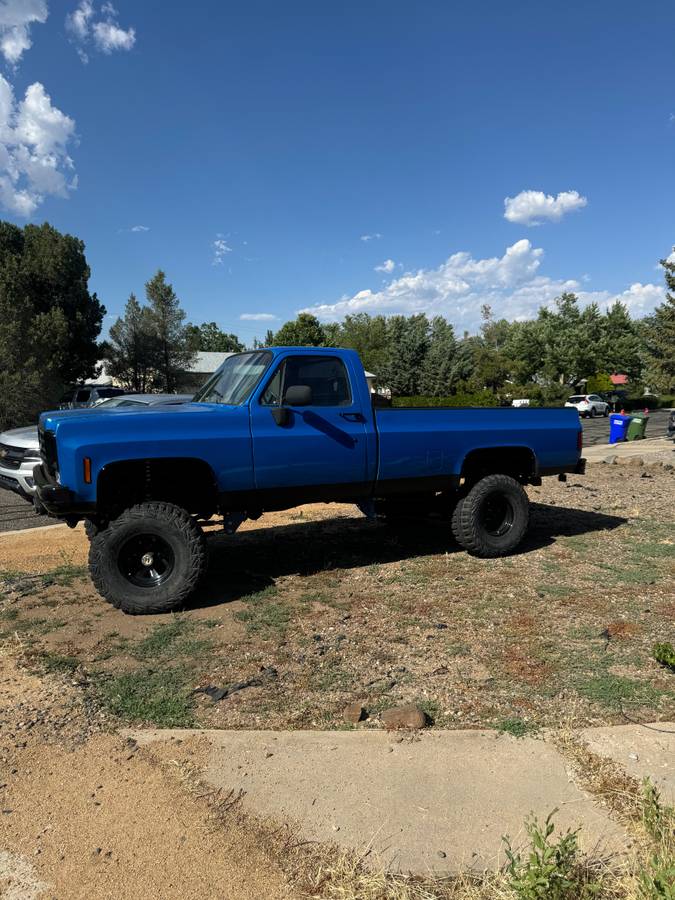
{"x": 146, "y": 560}
{"x": 497, "y": 515}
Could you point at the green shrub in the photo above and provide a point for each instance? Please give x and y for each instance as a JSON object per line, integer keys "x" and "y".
{"x": 665, "y": 654}
{"x": 553, "y": 870}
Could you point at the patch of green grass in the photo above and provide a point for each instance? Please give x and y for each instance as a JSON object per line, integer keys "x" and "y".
{"x": 516, "y": 727}
{"x": 554, "y": 590}
{"x": 611, "y": 690}
{"x": 263, "y": 616}
{"x": 58, "y": 663}
{"x": 10, "y": 614}
{"x": 331, "y": 678}
{"x": 174, "y": 638}
{"x": 161, "y": 698}
{"x": 431, "y": 710}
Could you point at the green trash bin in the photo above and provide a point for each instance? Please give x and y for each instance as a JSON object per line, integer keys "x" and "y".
{"x": 637, "y": 427}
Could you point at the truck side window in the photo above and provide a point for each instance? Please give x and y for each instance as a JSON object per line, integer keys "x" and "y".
{"x": 326, "y": 375}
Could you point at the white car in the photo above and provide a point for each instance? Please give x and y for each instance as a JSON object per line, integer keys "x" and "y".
{"x": 589, "y": 405}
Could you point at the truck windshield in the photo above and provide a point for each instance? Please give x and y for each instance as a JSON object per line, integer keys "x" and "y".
{"x": 235, "y": 380}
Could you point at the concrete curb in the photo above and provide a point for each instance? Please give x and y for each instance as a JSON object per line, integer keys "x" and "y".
{"x": 31, "y": 530}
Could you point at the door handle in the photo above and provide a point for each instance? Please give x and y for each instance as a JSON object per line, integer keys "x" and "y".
{"x": 353, "y": 416}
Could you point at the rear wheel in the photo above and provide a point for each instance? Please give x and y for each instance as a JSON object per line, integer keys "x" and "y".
{"x": 491, "y": 520}
{"x": 148, "y": 560}
{"x": 592, "y": 412}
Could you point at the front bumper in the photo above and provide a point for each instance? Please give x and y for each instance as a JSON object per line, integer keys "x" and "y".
{"x": 20, "y": 480}
{"x": 55, "y": 499}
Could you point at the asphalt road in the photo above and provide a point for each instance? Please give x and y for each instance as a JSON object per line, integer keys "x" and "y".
{"x": 16, "y": 513}
{"x": 596, "y": 431}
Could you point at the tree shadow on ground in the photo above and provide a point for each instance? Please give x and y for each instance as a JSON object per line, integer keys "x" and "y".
{"x": 250, "y": 561}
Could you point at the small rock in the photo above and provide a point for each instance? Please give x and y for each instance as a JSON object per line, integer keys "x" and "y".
{"x": 635, "y": 462}
{"x": 633, "y": 756}
{"x": 441, "y": 854}
{"x": 611, "y": 460}
{"x": 406, "y": 716}
{"x": 441, "y": 626}
{"x": 354, "y": 712}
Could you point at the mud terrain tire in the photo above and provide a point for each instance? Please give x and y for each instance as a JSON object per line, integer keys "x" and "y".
{"x": 149, "y": 559}
{"x": 491, "y": 520}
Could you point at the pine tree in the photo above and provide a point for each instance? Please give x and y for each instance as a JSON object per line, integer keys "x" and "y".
{"x": 660, "y": 336}
{"x": 174, "y": 353}
{"x": 437, "y": 369}
{"x": 133, "y": 349}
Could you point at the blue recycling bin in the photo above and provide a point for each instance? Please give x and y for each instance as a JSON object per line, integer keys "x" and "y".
{"x": 618, "y": 428}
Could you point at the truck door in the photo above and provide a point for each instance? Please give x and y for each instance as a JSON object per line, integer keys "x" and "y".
{"x": 321, "y": 443}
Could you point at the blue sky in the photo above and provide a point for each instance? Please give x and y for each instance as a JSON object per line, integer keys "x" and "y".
{"x": 343, "y": 157}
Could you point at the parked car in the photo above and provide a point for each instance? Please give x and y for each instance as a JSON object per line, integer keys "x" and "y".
{"x": 19, "y": 454}
{"x": 671, "y": 425}
{"x": 20, "y": 447}
{"x": 589, "y": 405}
{"x": 270, "y": 430}
{"x": 87, "y": 395}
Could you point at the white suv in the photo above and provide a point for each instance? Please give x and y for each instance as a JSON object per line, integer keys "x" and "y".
{"x": 589, "y": 405}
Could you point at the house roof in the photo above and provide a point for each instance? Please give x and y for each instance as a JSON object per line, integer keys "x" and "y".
{"x": 618, "y": 379}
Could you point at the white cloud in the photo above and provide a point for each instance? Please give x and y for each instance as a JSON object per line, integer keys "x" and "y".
{"x": 220, "y": 250}
{"x": 138, "y": 228}
{"x": 34, "y": 160}
{"x": 371, "y": 237}
{"x": 257, "y": 317}
{"x": 535, "y": 207}
{"x": 387, "y": 266}
{"x": 85, "y": 24}
{"x": 16, "y": 18}
{"x": 512, "y": 284}
{"x": 109, "y": 37}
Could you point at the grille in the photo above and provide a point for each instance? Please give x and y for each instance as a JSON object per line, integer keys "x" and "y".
{"x": 11, "y": 457}
{"x": 48, "y": 450}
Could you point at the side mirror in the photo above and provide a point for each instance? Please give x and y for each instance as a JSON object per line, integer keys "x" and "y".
{"x": 298, "y": 395}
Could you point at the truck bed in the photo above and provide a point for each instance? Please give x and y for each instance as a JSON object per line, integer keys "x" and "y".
{"x": 452, "y": 433}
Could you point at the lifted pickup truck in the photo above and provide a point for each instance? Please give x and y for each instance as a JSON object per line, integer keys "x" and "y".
{"x": 273, "y": 429}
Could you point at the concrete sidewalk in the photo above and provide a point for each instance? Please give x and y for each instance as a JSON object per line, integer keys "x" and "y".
{"x": 439, "y": 801}
{"x": 650, "y": 449}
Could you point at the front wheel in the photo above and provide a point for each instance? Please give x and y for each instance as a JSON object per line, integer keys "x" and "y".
{"x": 149, "y": 559}
{"x": 592, "y": 412}
{"x": 491, "y": 520}
{"x": 606, "y": 412}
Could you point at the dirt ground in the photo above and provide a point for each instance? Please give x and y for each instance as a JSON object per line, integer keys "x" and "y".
{"x": 319, "y": 607}
{"x": 86, "y": 814}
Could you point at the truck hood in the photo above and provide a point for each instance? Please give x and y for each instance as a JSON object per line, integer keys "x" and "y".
{"x": 151, "y": 419}
{"x": 26, "y": 438}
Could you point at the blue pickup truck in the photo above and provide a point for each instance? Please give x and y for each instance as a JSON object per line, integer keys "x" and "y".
{"x": 270, "y": 430}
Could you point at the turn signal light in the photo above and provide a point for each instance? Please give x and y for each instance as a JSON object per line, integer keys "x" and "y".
{"x": 87, "y": 470}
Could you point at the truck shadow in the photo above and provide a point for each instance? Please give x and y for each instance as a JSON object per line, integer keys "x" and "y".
{"x": 250, "y": 561}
